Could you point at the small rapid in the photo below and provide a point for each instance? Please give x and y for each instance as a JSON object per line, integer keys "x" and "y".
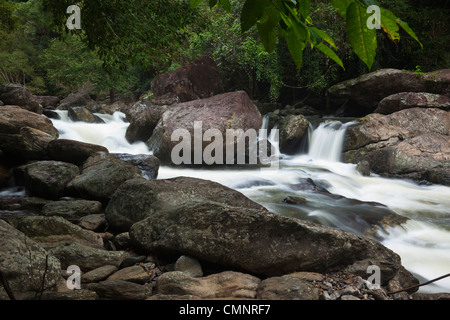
{"x": 423, "y": 242}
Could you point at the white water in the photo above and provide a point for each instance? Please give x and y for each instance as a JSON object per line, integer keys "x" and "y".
{"x": 423, "y": 243}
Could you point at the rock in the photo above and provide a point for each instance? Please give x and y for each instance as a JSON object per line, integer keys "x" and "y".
{"x": 132, "y": 261}
{"x": 94, "y": 222}
{"x": 48, "y": 102}
{"x": 77, "y": 99}
{"x": 51, "y": 114}
{"x": 19, "y": 95}
{"x": 122, "y": 241}
{"x": 16, "y": 203}
{"x": 135, "y": 274}
{"x": 100, "y": 176}
{"x": 431, "y": 296}
{"x": 13, "y": 118}
{"x": 75, "y": 152}
{"x": 406, "y": 100}
{"x": 82, "y": 114}
{"x": 287, "y": 288}
{"x": 143, "y": 117}
{"x": 190, "y": 266}
{"x": 254, "y": 240}
{"x": 412, "y": 143}
{"x": 48, "y": 179}
{"x": 228, "y": 284}
{"x": 292, "y": 128}
{"x": 72, "y": 210}
{"x": 198, "y": 80}
{"x": 1, "y": 103}
{"x": 349, "y": 297}
{"x": 5, "y": 174}
{"x": 85, "y": 257}
{"x": 232, "y": 110}
{"x": 148, "y": 164}
{"x": 29, "y": 144}
{"x": 139, "y": 198}
{"x": 52, "y": 231}
{"x": 23, "y": 263}
{"x": 73, "y": 295}
{"x": 295, "y": 200}
{"x": 98, "y": 274}
{"x": 120, "y": 290}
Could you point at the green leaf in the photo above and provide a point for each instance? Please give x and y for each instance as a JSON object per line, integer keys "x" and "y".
{"x": 362, "y": 39}
{"x": 194, "y": 3}
{"x": 330, "y": 53}
{"x": 324, "y": 36}
{"x": 295, "y": 47}
{"x": 300, "y": 30}
{"x": 408, "y": 29}
{"x": 304, "y": 7}
{"x": 212, "y": 3}
{"x": 341, "y": 6}
{"x": 389, "y": 24}
{"x": 267, "y": 28}
{"x": 225, "y": 4}
{"x": 251, "y": 12}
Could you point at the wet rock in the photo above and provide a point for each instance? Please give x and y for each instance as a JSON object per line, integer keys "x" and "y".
{"x": 139, "y": 198}
{"x": 77, "y": 99}
{"x": 48, "y": 102}
{"x": 72, "y": 210}
{"x": 292, "y": 128}
{"x": 48, "y": 179}
{"x": 148, "y": 164}
{"x": 83, "y": 114}
{"x": 73, "y": 151}
{"x": 198, "y": 80}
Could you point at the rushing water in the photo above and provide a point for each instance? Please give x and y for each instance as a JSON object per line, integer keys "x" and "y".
{"x": 423, "y": 243}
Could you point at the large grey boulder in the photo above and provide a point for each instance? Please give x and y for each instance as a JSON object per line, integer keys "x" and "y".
{"x": 24, "y": 263}
{"x": 19, "y": 95}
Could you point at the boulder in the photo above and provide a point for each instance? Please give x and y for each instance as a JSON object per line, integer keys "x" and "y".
{"x": 13, "y": 118}
{"x": 226, "y": 111}
{"x": 93, "y": 222}
{"x": 412, "y": 143}
{"x": 405, "y": 100}
{"x": 48, "y": 102}
{"x": 369, "y": 89}
{"x": 228, "y": 284}
{"x": 148, "y": 164}
{"x": 287, "y": 288}
{"x": 135, "y": 274}
{"x": 189, "y": 265}
{"x": 24, "y": 262}
{"x": 143, "y": 117}
{"x": 100, "y": 176}
{"x": 71, "y": 210}
{"x": 120, "y": 290}
{"x": 78, "y": 99}
{"x": 254, "y": 240}
{"x": 98, "y": 274}
{"x": 198, "y": 80}
{"x": 29, "y": 144}
{"x": 139, "y": 198}
{"x": 5, "y": 174}
{"x": 83, "y": 114}
{"x": 86, "y": 257}
{"x": 19, "y": 95}
{"x": 48, "y": 179}
{"x": 292, "y": 128}
{"x": 50, "y": 232}
{"x": 72, "y": 151}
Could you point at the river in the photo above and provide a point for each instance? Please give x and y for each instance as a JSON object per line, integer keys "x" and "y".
{"x": 423, "y": 243}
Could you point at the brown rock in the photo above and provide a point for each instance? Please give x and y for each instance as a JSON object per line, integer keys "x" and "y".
{"x": 405, "y": 100}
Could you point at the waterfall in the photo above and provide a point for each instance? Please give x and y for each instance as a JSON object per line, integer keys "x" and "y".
{"x": 327, "y": 141}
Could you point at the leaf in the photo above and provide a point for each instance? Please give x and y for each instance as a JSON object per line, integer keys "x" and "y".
{"x": 267, "y": 28}
{"x": 212, "y": 3}
{"x": 251, "y": 12}
{"x": 295, "y": 47}
{"x": 300, "y": 30}
{"x": 304, "y": 7}
{"x": 225, "y": 4}
{"x": 330, "y": 53}
{"x": 408, "y": 29}
{"x": 341, "y": 6}
{"x": 194, "y": 3}
{"x": 324, "y": 36}
{"x": 389, "y": 24}
{"x": 362, "y": 39}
